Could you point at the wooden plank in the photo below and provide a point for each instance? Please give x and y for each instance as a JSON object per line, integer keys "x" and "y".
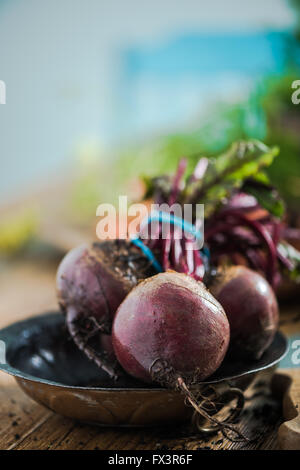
{"x": 26, "y": 289}
{"x": 47, "y": 434}
{"x": 18, "y": 414}
{"x": 289, "y": 431}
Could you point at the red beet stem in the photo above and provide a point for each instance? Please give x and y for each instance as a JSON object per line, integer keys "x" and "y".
{"x": 267, "y": 239}
{"x": 177, "y": 181}
{"x": 199, "y": 171}
{"x": 259, "y": 229}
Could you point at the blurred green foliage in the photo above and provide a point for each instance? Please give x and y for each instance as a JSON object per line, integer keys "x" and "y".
{"x": 283, "y": 127}
{"x": 17, "y": 230}
{"x": 268, "y": 114}
{"x": 223, "y": 125}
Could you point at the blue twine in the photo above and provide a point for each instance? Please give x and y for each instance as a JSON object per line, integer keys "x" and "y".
{"x": 147, "y": 252}
{"x": 205, "y": 250}
{"x": 165, "y": 217}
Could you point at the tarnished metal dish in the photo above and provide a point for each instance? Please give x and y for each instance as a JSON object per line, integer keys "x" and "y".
{"x": 53, "y": 372}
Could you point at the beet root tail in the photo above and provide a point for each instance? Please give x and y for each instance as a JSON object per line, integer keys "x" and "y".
{"x": 81, "y": 339}
{"x": 228, "y": 430}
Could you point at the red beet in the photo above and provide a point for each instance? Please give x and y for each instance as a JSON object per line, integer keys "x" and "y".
{"x": 171, "y": 330}
{"x": 170, "y": 320}
{"x": 251, "y": 307}
{"x": 92, "y": 281}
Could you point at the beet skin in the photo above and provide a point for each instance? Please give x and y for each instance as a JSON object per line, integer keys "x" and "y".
{"x": 170, "y": 326}
{"x": 92, "y": 280}
{"x": 251, "y": 307}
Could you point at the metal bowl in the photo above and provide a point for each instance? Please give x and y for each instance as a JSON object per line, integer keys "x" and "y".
{"x": 53, "y": 372}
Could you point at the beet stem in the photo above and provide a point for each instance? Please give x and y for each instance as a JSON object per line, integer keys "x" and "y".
{"x": 177, "y": 181}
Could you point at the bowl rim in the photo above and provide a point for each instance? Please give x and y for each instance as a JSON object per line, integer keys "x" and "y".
{"x": 10, "y": 331}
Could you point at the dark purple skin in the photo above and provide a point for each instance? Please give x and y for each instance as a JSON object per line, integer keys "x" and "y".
{"x": 251, "y": 307}
{"x": 170, "y": 327}
{"x": 107, "y": 347}
{"x": 90, "y": 287}
{"x": 84, "y": 282}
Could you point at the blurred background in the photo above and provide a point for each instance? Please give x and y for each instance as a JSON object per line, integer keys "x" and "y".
{"x": 99, "y": 92}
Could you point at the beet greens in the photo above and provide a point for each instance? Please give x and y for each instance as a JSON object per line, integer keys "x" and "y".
{"x": 244, "y": 215}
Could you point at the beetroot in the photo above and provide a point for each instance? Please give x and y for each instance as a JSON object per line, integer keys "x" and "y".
{"x": 170, "y": 319}
{"x": 171, "y": 330}
{"x": 92, "y": 281}
{"x": 251, "y": 307}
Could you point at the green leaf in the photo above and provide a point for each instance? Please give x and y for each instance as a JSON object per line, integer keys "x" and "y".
{"x": 293, "y": 256}
{"x": 158, "y": 187}
{"x": 267, "y": 197}
{"x": 227, "y": 172}
{"x": 262, "y": 177}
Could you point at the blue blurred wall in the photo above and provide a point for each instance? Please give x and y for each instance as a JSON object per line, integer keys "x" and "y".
{"x": 174, "y": 81}
{"x": 101, "y": 72}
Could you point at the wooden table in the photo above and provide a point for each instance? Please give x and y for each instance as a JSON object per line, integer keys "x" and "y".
{"x": 28, "y": 288}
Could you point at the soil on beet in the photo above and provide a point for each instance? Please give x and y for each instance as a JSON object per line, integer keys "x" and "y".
{"x": 91, "y": 286}
{"x": 125, "y": 259}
